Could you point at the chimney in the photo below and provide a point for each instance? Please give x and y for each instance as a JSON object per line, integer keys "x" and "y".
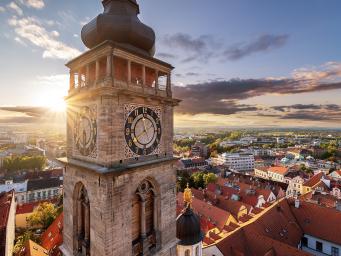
{"x": 338, "y": 205}
{"x": 297, "y": 203}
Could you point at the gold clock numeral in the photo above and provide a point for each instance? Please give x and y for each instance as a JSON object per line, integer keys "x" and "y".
{"x": 127, "y": 131}
{"x": 136, "y": 112}
{"x": 130, "y": 143}
{"x": 130, "y": 120}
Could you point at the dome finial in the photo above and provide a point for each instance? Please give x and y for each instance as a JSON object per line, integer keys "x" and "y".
{"x": 188, "y": 196}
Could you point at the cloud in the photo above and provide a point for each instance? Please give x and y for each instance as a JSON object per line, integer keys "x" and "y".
{"x": 2, "y": 9}
{"x": 261, "y": 44}
{"x": 31, "y": 30}
{"x": 165, "y": 55}
{"x": 37, "y": 4}
{"x": 218, "y": 96}
{"x": 328, "y": 72}
{"x": 28, "y": 111}
{"x": 13, "y": 6}
{"x": 206, "y": 47}
{"x": 61, "y": 80}
{"x": 198, "y": 48}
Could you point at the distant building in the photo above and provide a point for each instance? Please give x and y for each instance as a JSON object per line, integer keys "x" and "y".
{"x": 199, "y": 150}
{"x": 7, "y": 223}
{"x": 277, "y": 173}
{"x": 44, "y": 189}
{"x": 236, "y": 162}
{"x": 192, "y": 163}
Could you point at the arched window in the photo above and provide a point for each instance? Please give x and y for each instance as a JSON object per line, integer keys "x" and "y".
{"x": 187, "y": 252}
{"x": 82, "y": 220}
{"x": 144, "y": 218}
{"x": 197, "y": 251}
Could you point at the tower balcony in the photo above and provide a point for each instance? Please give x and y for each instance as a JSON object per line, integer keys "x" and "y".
{"x": 112, "y": 65}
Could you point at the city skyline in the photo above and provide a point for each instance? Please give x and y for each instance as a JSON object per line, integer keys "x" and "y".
{"x": 216, "y": 49}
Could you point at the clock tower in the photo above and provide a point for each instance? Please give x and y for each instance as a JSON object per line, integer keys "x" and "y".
{"x": 119, "y": 179}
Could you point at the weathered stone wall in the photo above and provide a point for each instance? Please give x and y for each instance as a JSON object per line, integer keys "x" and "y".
{"x": 110, "y": 199}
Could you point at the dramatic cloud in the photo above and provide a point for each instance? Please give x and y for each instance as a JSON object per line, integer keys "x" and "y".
{"x": 13, "y": 6}
{"x": 31, "y": 30}
{"x": 2, "y": 9}
{"x": 330, "y": 71}
{"x": 37, "y": 4}
{"x": 29, "y": 111}
{"x": 198, "y": 48}
{"x": 217, "y": 97}
{"x": 261, "y": 44}
{"x": 206, "y": 47}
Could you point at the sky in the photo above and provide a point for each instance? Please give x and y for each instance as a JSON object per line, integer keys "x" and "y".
{"x": 242, "y": 63}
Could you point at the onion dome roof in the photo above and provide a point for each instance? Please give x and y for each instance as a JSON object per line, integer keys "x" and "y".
{"x": 119, "y": 23}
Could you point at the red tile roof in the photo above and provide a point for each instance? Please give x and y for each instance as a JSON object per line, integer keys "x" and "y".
{"x": 52, "y": 238}
{"x": 278, "y": 169}
{"x": 214, "y": 215}
{"x": 319, "y": 221}
{"x": 313, "y": 181}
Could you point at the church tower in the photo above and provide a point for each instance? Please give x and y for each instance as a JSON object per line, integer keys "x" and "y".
{"x": 119, "y": 179}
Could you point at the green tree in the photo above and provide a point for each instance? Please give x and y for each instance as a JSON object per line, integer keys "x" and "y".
{"x": 43, "y": 215}
{"x": 198, "y": 179}
{"x": 209, "y": 178}
{"x": 22, "y": 240}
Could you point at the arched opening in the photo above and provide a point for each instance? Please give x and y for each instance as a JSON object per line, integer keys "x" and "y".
{"x": 81, "y": 221}
{"x": 144, "y": 219}
{"x": 187, "y": 252}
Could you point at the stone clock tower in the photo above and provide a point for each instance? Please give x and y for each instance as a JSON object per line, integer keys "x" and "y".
{"x": 119, "y": 180}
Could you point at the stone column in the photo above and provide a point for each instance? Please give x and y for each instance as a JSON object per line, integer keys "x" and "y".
{"x": 155, "y": 222}
{"x": 169, "y": 86}
{"x": 143, "y": 75}
{"x": 97, "y": 71}
{"x": 79, "y": 78}
{"x": 143, "y": 218}
{"x": 129, "y": 72}
{"x": 72, "y": 80}
{"x": 87, "y": 75}
{"x": 156, "y": 81}
{"x": 86, "y": 222}
{"x": 109, "y": 66}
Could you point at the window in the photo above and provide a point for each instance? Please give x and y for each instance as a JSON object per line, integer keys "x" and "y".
{"x": 187, "y": 252}
{"x": 197, "y": 251}
{"x": 335, "y": 251}
{"x": 319, "y": 246}
{"x": 304, "y": 241}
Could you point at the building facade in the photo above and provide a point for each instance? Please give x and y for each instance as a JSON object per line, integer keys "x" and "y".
{"x": 237, "y": 162}
{"x": 119, "y": 180}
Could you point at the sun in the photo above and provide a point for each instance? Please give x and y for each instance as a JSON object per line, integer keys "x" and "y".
{"x": 58, "y": 105}
{"x": 55, "y": 103}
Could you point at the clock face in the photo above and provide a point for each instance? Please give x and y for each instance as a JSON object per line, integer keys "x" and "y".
{"x": 85, "y": 134}
{"x": 143, "y": 131}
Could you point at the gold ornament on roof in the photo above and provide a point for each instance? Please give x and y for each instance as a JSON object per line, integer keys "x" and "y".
{"x": 188, "y": 195}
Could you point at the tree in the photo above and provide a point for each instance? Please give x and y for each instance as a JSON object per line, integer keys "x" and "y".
{"x": 22, "y": 240}
{"x": 209, "y": 178}
{"x": 43, "y": 215}
{"x": 198, "y": 179}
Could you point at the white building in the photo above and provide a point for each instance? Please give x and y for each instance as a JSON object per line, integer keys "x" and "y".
{"x": 237, "y": 162}
{"x": 277, "y": 173}
{"x": 7, "y": 223}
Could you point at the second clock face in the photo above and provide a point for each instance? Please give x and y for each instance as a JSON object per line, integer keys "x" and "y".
{"x": 143, "y": 131}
